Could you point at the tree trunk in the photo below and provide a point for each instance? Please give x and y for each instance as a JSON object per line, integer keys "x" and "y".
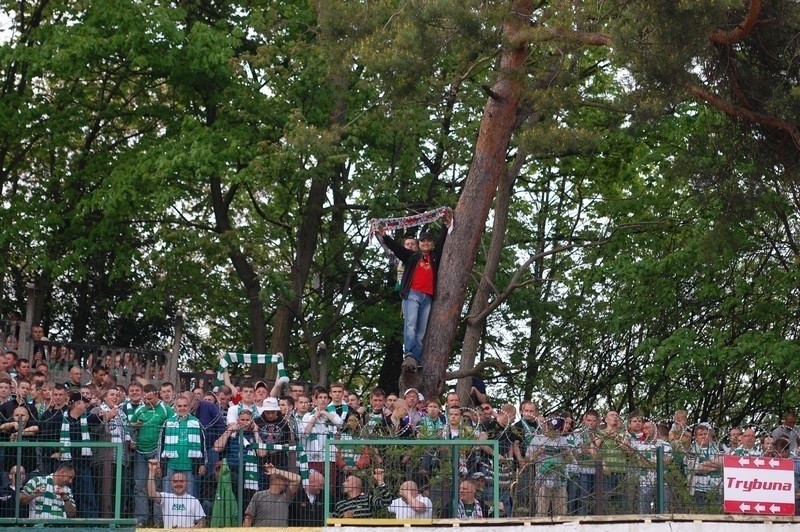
{"x": 476, "y": 319}
{"x": 497, "y": 126}
{"x": 305, "y": 246}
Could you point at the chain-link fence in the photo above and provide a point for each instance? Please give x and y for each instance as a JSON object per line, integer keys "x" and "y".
{"x": 159, "y": 468}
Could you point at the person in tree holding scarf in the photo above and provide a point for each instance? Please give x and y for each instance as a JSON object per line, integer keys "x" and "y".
{"x": 75, "y": 427}
{"x": 417, "y": 288}
{"x": 183, "y": 447}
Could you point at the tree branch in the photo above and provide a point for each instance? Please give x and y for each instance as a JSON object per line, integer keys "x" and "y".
{"x": 263, "y": 214}
{"x": 478, "y": 370}
{"x": 542, "y": 34}
{"x": 771, "y": 122}
{"x": 515, "y": 279}
{"x": 742, "y": 30}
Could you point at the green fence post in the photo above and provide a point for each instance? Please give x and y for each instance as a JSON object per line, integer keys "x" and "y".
{"x": 240, "y": 481}
{"x": 326, "y": 453}
{"x": 118, "y": 482}
{"x": 454, "y": 470}
{"x": 659, "y": 480}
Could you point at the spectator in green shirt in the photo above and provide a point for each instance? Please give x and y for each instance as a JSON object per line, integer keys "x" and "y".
{"x": 147, "y": 421}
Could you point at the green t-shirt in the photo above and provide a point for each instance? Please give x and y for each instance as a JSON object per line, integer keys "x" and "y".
{"x": 152, "y": 420}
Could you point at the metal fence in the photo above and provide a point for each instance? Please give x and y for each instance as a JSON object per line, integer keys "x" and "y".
{"x": 56, "y": 495}
{"x": 324, "y": 475}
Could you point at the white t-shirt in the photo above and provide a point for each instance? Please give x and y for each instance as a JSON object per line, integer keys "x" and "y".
{"x": 180, "y": 511}
{"x": 233, "y": 411}
{"x": 402, "y": 510}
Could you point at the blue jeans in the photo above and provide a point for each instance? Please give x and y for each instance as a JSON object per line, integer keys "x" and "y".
{"x": 416, "y": 309}
{"x": 85, "y": 496}
{"x": 141, "y": 502}
{"x": 585, "y": 502}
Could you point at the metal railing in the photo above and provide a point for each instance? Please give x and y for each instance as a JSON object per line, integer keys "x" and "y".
{"x": 442, "y": 478}
{"x": 117, "y": 521}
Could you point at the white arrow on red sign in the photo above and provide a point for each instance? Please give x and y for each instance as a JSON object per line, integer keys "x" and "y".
{"x": 758, "y": 485}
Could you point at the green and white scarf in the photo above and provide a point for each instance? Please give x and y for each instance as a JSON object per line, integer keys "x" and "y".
{"x": 431, "y": 428}
{"x": 528, "y": 432}
{"x": 330, "y": 428}
{"x": 250, "y": 465}
{"x": 66, "y": 442}
{"x": 49, "y": 505}
{"x": 172, "y": 431}
{"x": 345, "y": 410}
{"x": 117, "y": 426}
{"x": 252, "y": 358}
{"x": 349, "y": 453}
{"x": 302, "y": 460}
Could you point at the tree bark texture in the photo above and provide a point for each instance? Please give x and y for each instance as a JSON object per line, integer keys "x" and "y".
{"x": 497, "y": 126}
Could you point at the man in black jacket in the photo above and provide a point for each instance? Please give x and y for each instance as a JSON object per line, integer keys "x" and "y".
{"x": 417, "y": 288}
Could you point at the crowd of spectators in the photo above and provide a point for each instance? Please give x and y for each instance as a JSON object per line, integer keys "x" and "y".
{"x": 176, "y": 444}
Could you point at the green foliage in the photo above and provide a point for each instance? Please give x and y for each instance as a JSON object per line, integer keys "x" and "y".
{"x": 149, "y": 151}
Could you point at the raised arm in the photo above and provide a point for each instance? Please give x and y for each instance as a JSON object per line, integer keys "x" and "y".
{"x": 152, "y": 492}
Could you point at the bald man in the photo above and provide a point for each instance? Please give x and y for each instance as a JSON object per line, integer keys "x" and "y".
{"x": 411, "y": 504}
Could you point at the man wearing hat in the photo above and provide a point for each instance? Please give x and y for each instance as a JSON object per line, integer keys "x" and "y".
{"x": 274, "y": 429}
{"x": 417, "y": 289}
{"x": 412, "y": 397}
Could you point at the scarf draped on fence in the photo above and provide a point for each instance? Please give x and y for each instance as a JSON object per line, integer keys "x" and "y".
{"x": 252, "y": 358}
{"x": 302, "y": 461}
{"x": 250, "y": 464}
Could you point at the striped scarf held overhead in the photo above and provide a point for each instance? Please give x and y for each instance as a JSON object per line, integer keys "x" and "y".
{"x": 415, "y": 220}
{"x": 176, "y": 427}
{"x": 252, "y": 358}
{"x": 66, "y": 441}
